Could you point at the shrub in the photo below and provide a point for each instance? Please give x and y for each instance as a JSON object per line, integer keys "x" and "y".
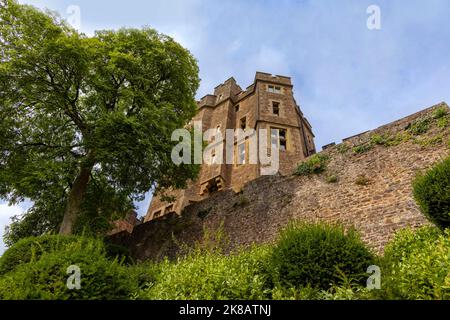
{"x": 416, "y": 265}
{"x": 343, "y": 148}
{"x": 419, "y": 126}
{"x": 362, "y": 180}
{"x": 31, "y": 248}
{"x": 383, "y": 140}
{"x": 362, "y": 148}
{"x": 211, "y": 275}
{"x": 46, "y": 277}
{"x": 432, "y": 193}
{"x": 291, "y": 293}
{"x": 440, "y": 112}
{"x": 345, "y": 293}
{"x": 313, "y": 165}
{"x": 332, "y": 179}
{"x": 319, "y": 255}
{"x": 442, "y": 122}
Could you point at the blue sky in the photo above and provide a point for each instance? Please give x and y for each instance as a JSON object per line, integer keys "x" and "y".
{"x": 347, "y": 78}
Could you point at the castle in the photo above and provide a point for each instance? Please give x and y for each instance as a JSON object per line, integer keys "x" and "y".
{"x": 268, "y": 103}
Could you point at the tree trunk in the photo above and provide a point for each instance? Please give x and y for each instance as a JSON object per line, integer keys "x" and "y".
{"x": 76, "y": 197}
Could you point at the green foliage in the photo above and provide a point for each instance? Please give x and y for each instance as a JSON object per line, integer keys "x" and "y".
{"x": 292, "y": 293}
{"x": 416, "y": 265}
{"x": 31, "y": 248}
{"x": 432, "y": 193}
{"x": 46, "y": 277}
{"x": 332, "y": 179}
{"x": 345, "y": 293}
{"x": 343, "y": 148}
{"x": 362, "y": 180}
{"x": 440, "y": 112}
{"x": 313, "y": 165}
{"x": 420, "y": 126}
{"x": 386, "y": 139}
{"x": 442, "y": 122}
{"x": 211, "y": 275}
{"x": 319, "y": 256}
{"x": 105, "y": 106}
{"x": 362, "y": 148}
{"x": 429, "y": 141}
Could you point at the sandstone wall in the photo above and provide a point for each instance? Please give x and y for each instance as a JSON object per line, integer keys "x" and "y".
{"x": 378, "y": 208}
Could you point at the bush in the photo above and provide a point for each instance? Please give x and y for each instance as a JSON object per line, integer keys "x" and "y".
{"x": 31, "y": 248}
{"x": 313, "y": 165}
{"x": 416, "y": 265}
{"x": 211, "y": 275}
{"x": 362, "y": 148}
{"x": 319, "y": 255}
{"x": 332, "y": 179}
{"x": 46, "y": 277}
{"x": 440, "y": 112}
{"x": 432, "y": 193}
{"x": 419, "y": 126}
{"x": 362, "y": 180}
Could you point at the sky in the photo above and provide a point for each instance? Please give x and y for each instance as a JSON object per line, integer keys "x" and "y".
{"x": 347, "y": 78}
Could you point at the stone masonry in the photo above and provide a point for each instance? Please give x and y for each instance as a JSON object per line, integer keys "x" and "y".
{"x": 373, "y": 193}
{"x": 268, "y": 104}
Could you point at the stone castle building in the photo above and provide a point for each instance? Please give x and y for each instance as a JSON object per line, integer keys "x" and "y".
{"x": 268, "y": 103}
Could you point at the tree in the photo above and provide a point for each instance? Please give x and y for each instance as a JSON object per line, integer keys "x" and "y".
{"x": 85, "y": 122}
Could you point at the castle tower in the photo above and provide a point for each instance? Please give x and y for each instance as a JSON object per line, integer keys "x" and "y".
{"x": 267, "y": 104}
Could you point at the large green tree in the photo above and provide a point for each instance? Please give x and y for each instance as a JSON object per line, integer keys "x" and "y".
{"x": 85, "y": 122}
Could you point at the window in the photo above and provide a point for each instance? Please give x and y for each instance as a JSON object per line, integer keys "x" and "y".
{"x": 278, "y": 139}
{"x": 169, "y": 208}
{"x": 219, "y": 97}
{"x": 236, "y": 108}
{"x": 218, "y": 129}
{"x": 273, "y": 89}
{"x": 241, "y": 153}
{"x": 276, "y": 108}
{"x": 243, "y": 123}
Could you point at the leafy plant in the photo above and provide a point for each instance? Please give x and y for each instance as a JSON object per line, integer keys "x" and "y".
{"x": 362, "y": 148}
{"x": 420, "y": 126}
{"x": 362, "y": 180}
{"x": 332, "y": 179}
{"x": 440, "y": 112}
{"x": 211, "y": 275}
{"x": 431, "y": 191}
{"x": 313, "y": 165}
{"x": 416, "y": 265}
{"x": 343, "y": 148}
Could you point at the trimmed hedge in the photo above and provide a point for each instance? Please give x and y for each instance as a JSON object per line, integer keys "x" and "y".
{"x": 32, "y": 248}
{"x": 319, "y": 256}
{"x": 432, "y": 193}
{"x": 46, "y": 277}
